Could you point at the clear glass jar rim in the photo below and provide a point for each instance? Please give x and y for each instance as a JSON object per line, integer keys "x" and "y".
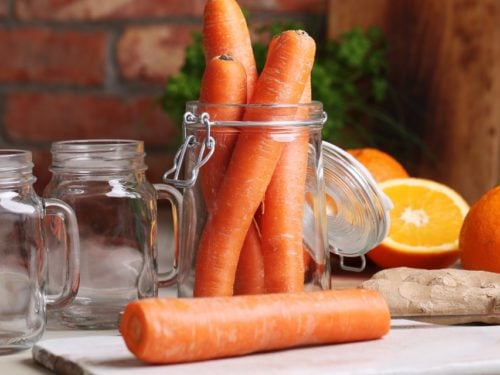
{"x": 98, "y": 145}
{"x": 14, "y": 159}
{"x": 316, "y": 115}
{"x": 313, "y": 104}
{"x": 7, "y": 152}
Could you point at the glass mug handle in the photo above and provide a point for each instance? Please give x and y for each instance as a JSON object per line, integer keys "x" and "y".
{"x": 175, "y": 197}
{"x": 72, "y": 253}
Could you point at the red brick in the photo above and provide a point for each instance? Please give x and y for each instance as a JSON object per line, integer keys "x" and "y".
{"x": 4, "y": 8}
{"x": 44, "y": 117}
{"x": 152, "y": 53}
{"x": 45, "y": 56}
{"x": 108, "y": 9}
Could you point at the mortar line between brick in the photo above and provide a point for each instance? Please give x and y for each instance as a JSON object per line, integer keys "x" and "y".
{"x": 70, "y": 24}
{"x": 129, "y": 90}
{"x": 27, "y": 145}
{"x": 85, "y": 24}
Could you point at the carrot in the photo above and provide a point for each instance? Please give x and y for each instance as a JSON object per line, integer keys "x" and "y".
{"x": 162, "y": 331}
{"x": 283, "y": 78}
{"x": 253, "y": 161}
{"x": 224, "y": 82}
{"x": 282, "y": 247}
{"x": 281, "y": 223}
{"x": 239, "y": 195}
{"x": 225, "y": 31}
{"x": 307, "y": 93}
{"x": 249, "y": 277}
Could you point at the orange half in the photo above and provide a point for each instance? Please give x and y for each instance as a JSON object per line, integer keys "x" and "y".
{"x": 425, "y": 225}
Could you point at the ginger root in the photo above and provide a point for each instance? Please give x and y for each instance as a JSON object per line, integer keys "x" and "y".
{"x": 448, "y": 296}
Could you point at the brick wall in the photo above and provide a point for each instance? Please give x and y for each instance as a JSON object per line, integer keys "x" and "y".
{"x": 74, "y": 69}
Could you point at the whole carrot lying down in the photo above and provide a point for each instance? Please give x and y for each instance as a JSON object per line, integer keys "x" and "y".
{"x": 165, "y": 331}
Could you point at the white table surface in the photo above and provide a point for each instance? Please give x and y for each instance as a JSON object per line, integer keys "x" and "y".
{"x": 446, "y": 350}
{"x": 410, "y": 347}
{"x": 21, "y": 363}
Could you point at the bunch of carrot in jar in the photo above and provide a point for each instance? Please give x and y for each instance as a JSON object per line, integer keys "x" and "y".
{"x": 250, "y": 167}
{"x": 275, "y": 312}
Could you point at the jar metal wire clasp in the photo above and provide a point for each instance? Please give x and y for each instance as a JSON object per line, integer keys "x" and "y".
{"x": 206, "y": 151}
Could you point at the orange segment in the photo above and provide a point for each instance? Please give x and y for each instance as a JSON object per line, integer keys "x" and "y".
{"x": 425, "y": 225}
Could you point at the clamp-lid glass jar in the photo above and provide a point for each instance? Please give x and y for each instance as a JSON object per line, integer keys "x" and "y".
{"x": 248, "y": 216}
{"x": 247, "y": 186}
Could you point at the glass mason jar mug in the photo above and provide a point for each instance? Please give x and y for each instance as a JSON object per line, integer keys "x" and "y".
{"x": 248, "y": 187}
{"x": 23, "y": 250}
{"x": 104, "y": 182}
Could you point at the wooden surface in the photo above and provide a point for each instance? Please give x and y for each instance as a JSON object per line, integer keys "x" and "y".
{"x": 445, "y": 60}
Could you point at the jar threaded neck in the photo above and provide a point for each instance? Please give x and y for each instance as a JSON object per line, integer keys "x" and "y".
{"x": 98, "y": 155}
{"x": 16, "y": 167}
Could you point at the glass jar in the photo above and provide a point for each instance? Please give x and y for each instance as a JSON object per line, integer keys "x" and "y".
{"x": 253, "y": 217}
{"x": 23, "y": 251}
{"x": 104, "y": 182}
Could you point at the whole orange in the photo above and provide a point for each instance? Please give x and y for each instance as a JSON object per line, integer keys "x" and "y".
{"x": 479, "y": 241}
{"x": 380, "y": 164}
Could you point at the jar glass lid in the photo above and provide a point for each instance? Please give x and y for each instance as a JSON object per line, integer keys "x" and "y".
{"x": 357, "y": 209}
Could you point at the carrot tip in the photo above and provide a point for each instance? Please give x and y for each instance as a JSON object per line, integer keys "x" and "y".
{"x": 225, "y": 57}
{"x": 301, "y": 32}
